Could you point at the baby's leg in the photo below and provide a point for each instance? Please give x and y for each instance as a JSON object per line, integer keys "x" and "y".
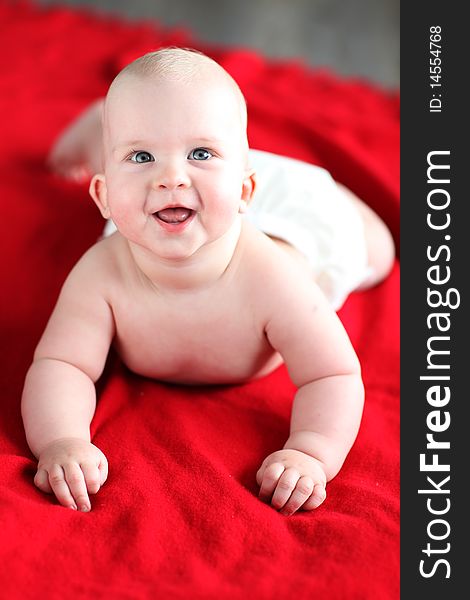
{"x": 77, "y": 153}
{"x": 379, "y": 241}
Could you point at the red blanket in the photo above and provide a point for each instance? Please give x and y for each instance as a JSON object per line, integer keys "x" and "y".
{"x": 179, "y": 515}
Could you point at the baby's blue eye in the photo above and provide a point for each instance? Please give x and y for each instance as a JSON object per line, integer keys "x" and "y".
{"x": 199, "y": 154}
{"x": 141, "y": 157}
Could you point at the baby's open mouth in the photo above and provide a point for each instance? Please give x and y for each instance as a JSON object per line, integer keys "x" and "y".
{"x": 174, "y": 215}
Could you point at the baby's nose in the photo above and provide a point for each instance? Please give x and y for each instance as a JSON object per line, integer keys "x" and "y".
{"x": 171, "y": 176}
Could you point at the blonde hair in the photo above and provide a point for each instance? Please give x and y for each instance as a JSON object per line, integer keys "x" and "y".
{"x": 172, "y": 63}
{"x": 179, "y": 64}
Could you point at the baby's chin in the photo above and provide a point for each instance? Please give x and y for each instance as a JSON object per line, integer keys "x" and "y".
{"x": 169, "y": 253}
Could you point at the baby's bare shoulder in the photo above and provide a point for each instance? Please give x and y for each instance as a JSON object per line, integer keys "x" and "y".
{"x": 98, "y": 267}
{"x": 270, "y": 268}
{"x": 276, "y": 282}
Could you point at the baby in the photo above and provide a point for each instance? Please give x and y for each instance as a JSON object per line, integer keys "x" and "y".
{"x": 184, "y": 273}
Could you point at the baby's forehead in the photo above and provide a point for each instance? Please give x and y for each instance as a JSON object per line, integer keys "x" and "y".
{"x": 141, "y": 92}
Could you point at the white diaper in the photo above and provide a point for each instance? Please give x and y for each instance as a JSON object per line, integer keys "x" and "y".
{"x": 301, "y": 204}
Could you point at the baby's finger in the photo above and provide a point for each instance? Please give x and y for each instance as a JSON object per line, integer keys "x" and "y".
{"x": 41, "y": 480}
{"x": 60, "y": 488}
{"x": 76, "y": 483}
{"x": 318, "y": 496}
{"x": 284, "y": 488}
{"x": 103, "y": 469}
{"x": 300, "y": 495}
{"x": 92, "y": 477}
{"x": 269, "y": 480}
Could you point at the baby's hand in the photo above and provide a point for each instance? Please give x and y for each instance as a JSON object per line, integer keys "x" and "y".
{"x": 71, "y": 469}
{"x": 290, "y": 480}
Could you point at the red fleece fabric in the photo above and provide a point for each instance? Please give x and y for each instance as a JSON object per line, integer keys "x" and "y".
{"x": 179, "y": 515}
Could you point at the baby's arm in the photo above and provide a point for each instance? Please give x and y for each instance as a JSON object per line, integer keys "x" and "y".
{"x": 59, "y": 395}
{"x": 327, "y": 407}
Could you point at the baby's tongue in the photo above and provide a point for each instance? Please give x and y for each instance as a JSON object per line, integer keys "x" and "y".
{"x": 174, "y": 215}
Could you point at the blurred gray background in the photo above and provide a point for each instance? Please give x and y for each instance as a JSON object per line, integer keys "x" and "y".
{"x": 357, "y": 38}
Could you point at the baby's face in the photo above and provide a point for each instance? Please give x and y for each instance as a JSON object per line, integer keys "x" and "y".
{"x": 176, "y": 174}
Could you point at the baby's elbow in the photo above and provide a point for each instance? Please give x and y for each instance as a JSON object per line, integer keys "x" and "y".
{"x": 355, "y": 366}
{"x": 347, "y": 365}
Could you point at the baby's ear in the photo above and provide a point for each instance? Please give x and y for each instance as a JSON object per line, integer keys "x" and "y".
{"x": 248, "y": 189}
{"x": 99, "y": 193}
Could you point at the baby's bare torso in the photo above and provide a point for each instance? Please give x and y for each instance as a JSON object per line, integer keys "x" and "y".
{"x": 212, "y": 335}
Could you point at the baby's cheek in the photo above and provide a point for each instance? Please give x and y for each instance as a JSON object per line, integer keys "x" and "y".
{"x": 225, "y": 207}
{"x": 124, "y": 220}
{"x": 123, "y": 201}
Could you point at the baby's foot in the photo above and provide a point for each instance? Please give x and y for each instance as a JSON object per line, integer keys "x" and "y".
{"x": 77, "y": 152}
